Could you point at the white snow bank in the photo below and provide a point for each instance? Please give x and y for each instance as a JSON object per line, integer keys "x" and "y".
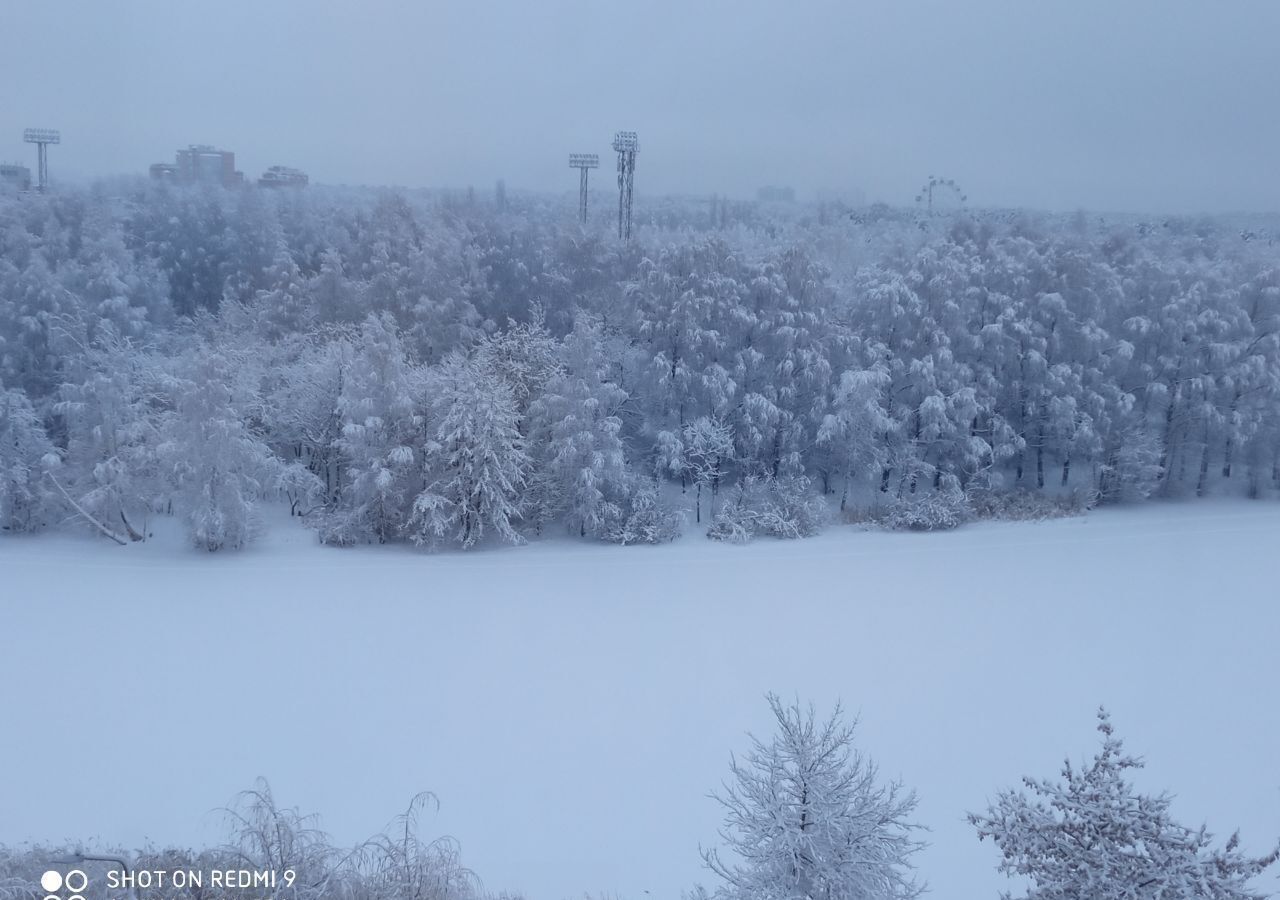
{"x": 572, "y": 704}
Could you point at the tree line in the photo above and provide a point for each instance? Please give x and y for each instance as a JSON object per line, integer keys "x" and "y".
{"x": 402, "y": 367}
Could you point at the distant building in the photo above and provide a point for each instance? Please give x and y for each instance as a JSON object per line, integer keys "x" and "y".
{"x": 283, "y": 177}
{"x": 14, "y": 176}
{"x": 776, "y": 195}
{"x": 201, "y": 164}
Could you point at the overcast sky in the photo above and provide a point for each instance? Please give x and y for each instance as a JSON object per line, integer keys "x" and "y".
{"x": 1149, "y": 106}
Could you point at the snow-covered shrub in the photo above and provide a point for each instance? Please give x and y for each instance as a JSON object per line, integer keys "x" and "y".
{"x": 794, "y": 510}
{"x": 733, "y": 524}
{"x": 402, "y": 863}
{"x": 644, "y": 518}
{"x": 25, "y": 453}
{"x": 1131, "y": 471}
{"x": 773, "y": 507}
{"x": 341, "y": 527}
{"x": 1028, "y": 506}
{"x": 939, "y": 510}
{"x": 301, "y": 487}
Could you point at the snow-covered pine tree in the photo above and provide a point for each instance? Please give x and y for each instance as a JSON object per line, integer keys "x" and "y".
{"x": 476, "y": 464}
{"x": 1094, "y": 835}
{"x": 807, "y": 818}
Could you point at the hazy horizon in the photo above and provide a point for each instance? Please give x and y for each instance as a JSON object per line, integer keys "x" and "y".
{"x": 1143, "y": 108}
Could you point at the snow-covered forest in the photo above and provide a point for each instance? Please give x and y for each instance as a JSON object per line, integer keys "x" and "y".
{"x": 436, "y": 369}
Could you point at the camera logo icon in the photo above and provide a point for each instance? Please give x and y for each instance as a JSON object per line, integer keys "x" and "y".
{"x": 74, "y": 881}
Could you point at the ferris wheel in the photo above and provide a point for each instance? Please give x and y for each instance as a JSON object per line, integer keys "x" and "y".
{"x": 943, "y": 191}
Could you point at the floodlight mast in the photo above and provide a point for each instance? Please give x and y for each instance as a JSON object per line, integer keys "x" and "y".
{"x": 42, "y": 138}
{"x": 627, "y": 146}
{"x": 583, "y": 162}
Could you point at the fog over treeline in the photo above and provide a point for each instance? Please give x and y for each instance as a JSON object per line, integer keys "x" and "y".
{"x": 452, "y": 370}
{"x": 1138, "y": 107}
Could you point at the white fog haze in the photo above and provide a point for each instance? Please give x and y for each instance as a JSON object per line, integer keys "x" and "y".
{"x": 662, "y": 450}
{"x": 1147, "y": 107}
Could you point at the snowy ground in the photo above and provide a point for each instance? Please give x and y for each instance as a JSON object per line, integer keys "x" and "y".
{"x": 572, "y": 704}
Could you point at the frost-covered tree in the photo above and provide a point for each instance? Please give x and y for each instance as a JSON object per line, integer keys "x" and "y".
{"x": 854, "y": 431}
{"x": 1094, "y": 835}
{"x": 706, "y": 446}
{"x": 476, "y": 463}
{"x": 284, "y": 305}
{"x": 379, "y": 409}
{"x": 268, "y": 837}
{"x": 807, "y": 818}
{"x": 111, "y": 419}
{"x": 218, "y": 470}
{"x": 581, "y": 470}
{"x": 524, "y": 355}
{"x": 333, "y": 293}
{"x": 25, "y": 454}
{"x": 303, "y": 408}
{"x": 33, "y": 307}
{"x": 403, "y": 864}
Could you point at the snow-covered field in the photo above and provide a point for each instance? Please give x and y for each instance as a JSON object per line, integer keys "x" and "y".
{"x": 572, "y": 704}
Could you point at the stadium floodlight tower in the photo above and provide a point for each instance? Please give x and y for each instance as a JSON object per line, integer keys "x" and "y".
{"x": 583, "y": 162}
{"x": 42, "y": 138}
{"x": 627, "y": 145}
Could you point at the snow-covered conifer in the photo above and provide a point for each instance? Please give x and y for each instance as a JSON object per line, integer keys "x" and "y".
{"x": 1094, "y": 835}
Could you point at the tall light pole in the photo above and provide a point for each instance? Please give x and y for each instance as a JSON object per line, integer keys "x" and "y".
{"x": 627, "y": 145}
{"x": 42, "y": 138}
{"x": 583, "y": 162}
